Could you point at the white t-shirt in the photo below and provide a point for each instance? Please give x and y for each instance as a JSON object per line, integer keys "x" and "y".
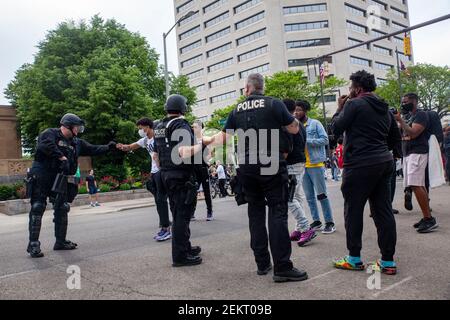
{"x": 149, "y": 144}
{"x": 221, "y": 172}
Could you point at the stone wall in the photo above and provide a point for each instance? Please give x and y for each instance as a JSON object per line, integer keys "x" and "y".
{"x": 13, "y": 207}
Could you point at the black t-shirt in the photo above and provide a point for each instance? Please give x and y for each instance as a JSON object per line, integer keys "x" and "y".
{"x": 91, "y": 181}
{"x": 418, "y": 145}
{"x": 298, "y": 152}
{"x": 259, "y": 112}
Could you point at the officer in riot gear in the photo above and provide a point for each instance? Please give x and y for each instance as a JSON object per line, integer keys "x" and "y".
{"x": 175, "y": 147}
{"x": 264, "y": 118}
{"x": 52, "y": 176}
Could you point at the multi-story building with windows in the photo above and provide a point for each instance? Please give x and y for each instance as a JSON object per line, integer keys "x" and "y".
{"x": 225, "y": 40}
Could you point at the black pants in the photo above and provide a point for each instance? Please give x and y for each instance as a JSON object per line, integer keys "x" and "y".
{"x": 203, "y": 179}
{"x": 160, "y": 196}
{"x": 393, "y": 181}
{"x": 447, "y": 166}
{"x": 271, "y": 191}
{"x": 222, "y": 189}
{"x": 41, "y": 189}
{"x": 372, "y": 184}
{"x": 175, "y": 184}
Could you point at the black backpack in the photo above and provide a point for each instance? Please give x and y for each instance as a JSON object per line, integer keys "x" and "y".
{"x": 435, "y": 126}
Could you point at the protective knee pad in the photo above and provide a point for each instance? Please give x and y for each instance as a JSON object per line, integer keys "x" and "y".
{"x": 322, "y": 196}
{"x": 38, "y": 208}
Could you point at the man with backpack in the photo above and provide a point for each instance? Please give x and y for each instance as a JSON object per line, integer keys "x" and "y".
{"x": 416, "y": 132}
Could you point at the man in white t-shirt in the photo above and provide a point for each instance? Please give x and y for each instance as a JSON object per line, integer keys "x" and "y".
{"x": 222, "y": 177}
{"x": 155, "y": 185}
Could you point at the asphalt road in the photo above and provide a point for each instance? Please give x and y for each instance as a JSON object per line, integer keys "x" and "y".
{"x": 119, "y": 260}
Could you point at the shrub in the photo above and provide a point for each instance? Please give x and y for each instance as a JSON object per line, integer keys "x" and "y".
{"x": 111, "y": 182}
{"x": 7, "y": 192}
{"x": 82, "y": 190}
{"x": 105, "y": 188}
{"x": 21, "y": 192}
{"x": 137, "y": 185}
{"x": 125, "y": 187}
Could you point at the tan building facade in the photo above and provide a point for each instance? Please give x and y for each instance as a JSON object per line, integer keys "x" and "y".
{"x": 9, "y": 137}
{"x": 228, "y": 39}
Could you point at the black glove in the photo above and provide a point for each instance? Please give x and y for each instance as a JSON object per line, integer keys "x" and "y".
{"x": 111, "y": 145}
{"x": 64, "y": 167}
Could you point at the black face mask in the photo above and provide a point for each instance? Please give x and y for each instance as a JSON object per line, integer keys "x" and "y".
{"x": 407, "y": 108}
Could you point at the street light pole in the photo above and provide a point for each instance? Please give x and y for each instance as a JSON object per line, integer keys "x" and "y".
{"x": 166, "y": 70}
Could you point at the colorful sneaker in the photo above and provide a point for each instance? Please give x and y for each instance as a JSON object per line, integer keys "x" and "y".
{"x": 391, "y": 271}
{"x": 345, "y": 265}
{"x": 159, "y": 234}
{"x": 306, "y": 237}
{"x": 296, "y": 235}
{"x": 165, "y": 236}
{"x": 316, "y": 225}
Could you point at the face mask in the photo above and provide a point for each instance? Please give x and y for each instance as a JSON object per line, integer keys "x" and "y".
{"x": 142, "y": 133}
{"x": 408, "y": 107}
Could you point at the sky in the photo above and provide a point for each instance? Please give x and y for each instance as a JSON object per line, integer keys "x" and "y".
{"x": 23, "y": 23}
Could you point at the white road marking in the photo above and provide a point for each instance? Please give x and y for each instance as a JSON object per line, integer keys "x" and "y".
{"x": 323, "y": 275}
{"x": 392, "y": 287}
{"x": 16, "y": 274}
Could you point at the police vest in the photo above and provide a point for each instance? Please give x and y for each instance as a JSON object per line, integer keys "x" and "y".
{"x": 256, "y": 113}
{"x": 165, "y": 145}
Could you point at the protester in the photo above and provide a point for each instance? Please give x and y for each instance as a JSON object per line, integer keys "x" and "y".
{"x": 340, "y": 153}
{"x": 91, "y": 186}
{"x": 447, "y": 152}
{"x": 314, "y": 179}
{"x": 415, "y": 151}
{"x": 221, "y": 175}
{"x": 370, "y": 132}
{"x": 302, "y": 234}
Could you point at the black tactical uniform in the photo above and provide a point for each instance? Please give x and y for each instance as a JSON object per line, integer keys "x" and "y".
{"x": 51, "y": 146}
{"x": 178, "y": 179}
{"x": 259, "y": 112}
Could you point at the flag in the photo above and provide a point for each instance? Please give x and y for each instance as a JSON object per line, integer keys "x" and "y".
{"x": 404, "y": 68}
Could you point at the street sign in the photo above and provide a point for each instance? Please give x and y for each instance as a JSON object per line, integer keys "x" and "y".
{"x": 407, "y": 45}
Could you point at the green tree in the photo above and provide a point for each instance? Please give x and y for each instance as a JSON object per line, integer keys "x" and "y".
{"x": 99, "y": 70}
{"x": 431, "y": 83}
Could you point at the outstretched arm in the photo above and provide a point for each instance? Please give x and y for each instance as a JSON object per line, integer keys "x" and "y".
{"x": 88, "y": 149}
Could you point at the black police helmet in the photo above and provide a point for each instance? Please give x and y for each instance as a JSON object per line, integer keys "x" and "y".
{"x": 176, "y": 103}
{"x": 70, "y": 120}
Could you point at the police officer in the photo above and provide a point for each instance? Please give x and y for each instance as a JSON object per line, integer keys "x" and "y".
{"x": 264, "y": 116}
{"x": 57, "y": 153}
{"x": 175, "y": 146}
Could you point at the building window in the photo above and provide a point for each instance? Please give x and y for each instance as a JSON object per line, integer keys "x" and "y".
{"x": 356, "y": 27}
{"x": 303, "y": 62}
{"x": 200, "y": 88}
{"x": 380, "y": 4}
{"x": 398, "y": 26}
{"x": 189, "y": 33}
{"x": 383, "y": 66}
{"x": 218, "y": 50}
{"x": 360, "y": 61}
{"x": 217, "y": 19}
{"x": 353, "y": 42}
{"x": 245, "y": 5}
{"x": 200, "y": 103}
{"x": 399, "y": 41}
{"x": 255, "y": 18}
{"x": 306, "y": 26}
{"x": 253, "y": 36}
{"x": 185, "y": 6}
{"x": 305, "y": 8}
{"x": 218, "y": 34}
{"x": 253, "y": 53}
{"x": 214, "y": 5}
{"x": 382, "y": 50}
{"x": 376, "y": 33}
{"x": 192, "y": 61}
{"x": 187, "y": 20}
{"x": 381, "y": 81}
{"x": 308, "y": 43}
{"x": 195, "y": 74}
{"x": 191, "y": 46}
{"x": 259, "y": 69}
{"x": 223, "y": 97}
{"x": 399, "y": 12}
{"x": 220, "y": 65}
{"x": 221, "y": 81}
{"x": 354, "y": 10}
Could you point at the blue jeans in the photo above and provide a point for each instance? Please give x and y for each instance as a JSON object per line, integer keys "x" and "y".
{"x": 314, "y": 184}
